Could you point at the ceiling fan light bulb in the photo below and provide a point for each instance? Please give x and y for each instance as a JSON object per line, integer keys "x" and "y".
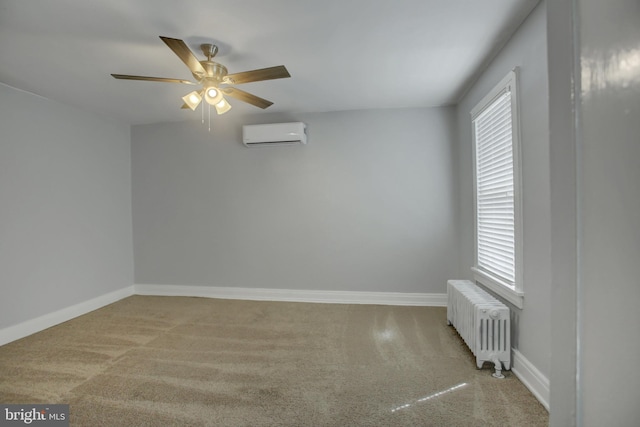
{"x": 223, "y": 106}
{"x": 212, "y": 96}
{"x": 192, "y": 99}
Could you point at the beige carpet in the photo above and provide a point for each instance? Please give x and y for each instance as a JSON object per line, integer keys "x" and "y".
{"x": 173, "y": 361}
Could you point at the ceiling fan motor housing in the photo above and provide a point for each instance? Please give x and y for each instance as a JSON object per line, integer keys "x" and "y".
{"x": 215, "y": 73}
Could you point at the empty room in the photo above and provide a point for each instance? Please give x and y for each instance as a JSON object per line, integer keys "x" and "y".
{"x": 322, "y": 213}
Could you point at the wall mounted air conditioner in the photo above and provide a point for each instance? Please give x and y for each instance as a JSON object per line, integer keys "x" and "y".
{"x": 274, "y": 134}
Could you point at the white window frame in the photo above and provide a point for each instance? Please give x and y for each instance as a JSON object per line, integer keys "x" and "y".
{"x": 512, "y": 292}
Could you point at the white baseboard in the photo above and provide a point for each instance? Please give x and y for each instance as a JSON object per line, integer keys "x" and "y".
{"x": 293, "y": 295}
{"x": 41, "y": 323}
{"x": 531, "y": 377}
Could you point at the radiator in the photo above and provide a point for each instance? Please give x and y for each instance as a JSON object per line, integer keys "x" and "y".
{"x": 482, "y": 321}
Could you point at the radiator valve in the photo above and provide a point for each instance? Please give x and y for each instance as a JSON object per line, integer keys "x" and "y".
{"x": 498, "y": 366}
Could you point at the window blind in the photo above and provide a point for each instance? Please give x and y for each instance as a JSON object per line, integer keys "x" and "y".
{"x": 495, "y": 208}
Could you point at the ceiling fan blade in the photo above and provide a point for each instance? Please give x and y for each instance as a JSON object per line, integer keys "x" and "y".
{"x": 180, "y": 48}
{"x": 246, "y": 97}
{"x": 152, "y": 79}
{"x": 278, "y": 72}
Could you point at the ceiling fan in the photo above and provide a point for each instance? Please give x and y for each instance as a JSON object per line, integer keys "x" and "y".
{"x": 213, "y": 78}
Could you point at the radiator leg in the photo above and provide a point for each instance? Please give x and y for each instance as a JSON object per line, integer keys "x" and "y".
{"x": 498, "y": 366}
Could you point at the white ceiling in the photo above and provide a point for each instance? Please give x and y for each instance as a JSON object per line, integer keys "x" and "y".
{"x": 342, "y": 54}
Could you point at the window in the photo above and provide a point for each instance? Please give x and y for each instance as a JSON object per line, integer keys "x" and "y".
{"x": 498, "y": 225}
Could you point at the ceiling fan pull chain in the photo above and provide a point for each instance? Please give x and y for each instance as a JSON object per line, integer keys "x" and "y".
{"x": 202, "y": 111}
{"x": 209, "y": 117}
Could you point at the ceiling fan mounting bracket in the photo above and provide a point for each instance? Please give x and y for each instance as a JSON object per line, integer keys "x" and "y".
{"x": 209, "y": 50}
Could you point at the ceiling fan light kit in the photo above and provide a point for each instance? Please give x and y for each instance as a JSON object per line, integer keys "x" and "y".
{"x": 222, "y": 106}
{"x": 192, "y": 100}
{"x": 212, "y": 95}
{"x": 213, "y": 78}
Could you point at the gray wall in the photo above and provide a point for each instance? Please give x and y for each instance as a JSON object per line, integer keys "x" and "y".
{"x": 527, "y": 50}
{"x": 562, "y": 155}
{"x": 609, "y": 212}
{"x": 595, "y": 104}
{"x": 370, "y": 204}
{"x": 65, "y": 205}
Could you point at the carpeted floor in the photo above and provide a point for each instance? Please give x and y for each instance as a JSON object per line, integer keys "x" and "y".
{"x": 174, "y": 361}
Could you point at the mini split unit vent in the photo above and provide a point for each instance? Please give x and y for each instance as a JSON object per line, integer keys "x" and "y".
{"x": 274, "y": 134}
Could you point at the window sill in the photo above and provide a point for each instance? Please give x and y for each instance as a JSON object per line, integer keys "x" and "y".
{"x": 511, "y": 295}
